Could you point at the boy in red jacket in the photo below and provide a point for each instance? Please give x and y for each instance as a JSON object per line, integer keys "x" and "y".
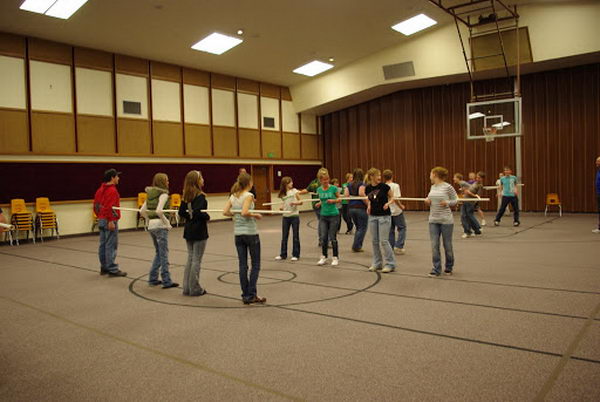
{"x": 107, "y": 197}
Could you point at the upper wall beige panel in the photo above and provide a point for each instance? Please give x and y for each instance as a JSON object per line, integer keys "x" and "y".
{"x": 166, "y": 101}
{"x": 135, "y": 89}
{"x": 247, "y": 111}
{"x": 309, "y": 123}
{"x": 289, "y": 116}
{"x": 196, "y": 104}
{"x": 94, "y": 92}
{"x": 51, "y": 87}
{"x": 223, "y": 108}
{"x": 269, "y": 107}
{"x": 12, "y": 83}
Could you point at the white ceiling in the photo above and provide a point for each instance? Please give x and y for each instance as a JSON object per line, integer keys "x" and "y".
{"x": 280, "y": 35}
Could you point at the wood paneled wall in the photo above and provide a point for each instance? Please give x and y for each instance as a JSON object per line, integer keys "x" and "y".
{"x": 177, "y": 108}
{"x": 414, "y": 130}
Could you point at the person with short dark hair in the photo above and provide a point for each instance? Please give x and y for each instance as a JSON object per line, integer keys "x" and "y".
{"x": 357, "y": 208}
{"x": 441, "y": 197}
{"x": 510, "y": 195}
{"x": 105, "y": 199}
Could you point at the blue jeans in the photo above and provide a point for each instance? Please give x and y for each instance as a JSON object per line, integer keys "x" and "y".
{"x": 160, "y": 238}
{"x": 445, "y": 231}
{"x": 328, "y": 227}
{"x": 191, "y": 274}
{"x": 294, "y": 222}
{"x": 245, "y": 244}
{"x": 107, "y": 251}
{"x": 346, "y": 217}
{"x": 399, "y": 222}
{"x": 360, "y": 219}
{"x": 379, "y": 226}
{"x": 470, "y": 224}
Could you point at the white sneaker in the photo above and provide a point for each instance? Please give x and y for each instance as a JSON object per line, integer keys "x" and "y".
{"x": 373, "y": 268}
{"x": 322, "y": 261}
{"x": 596, "y": 231}
{"x": 464, "y": 236}
{"x": 278, "y": 258}
{"x": 334, "y": 261}
{"x": 387, "y": 270}
{"x": 400, "y": 251}
{"x": 294, "y": 258}
{"x": 483, "y": 222}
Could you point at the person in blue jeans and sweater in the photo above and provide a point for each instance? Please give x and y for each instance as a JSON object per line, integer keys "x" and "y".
{"x": 291, "y": 199}
{"x": 597, "y": 230}
{"x": 440, "y": 199}
{"x": 240, "y": 202}
{"x": 510, "y": 195}
{"x": 158, "y": 226}
{"x": 357, "y": 209}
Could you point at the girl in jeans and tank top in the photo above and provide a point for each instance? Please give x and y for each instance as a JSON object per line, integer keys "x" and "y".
{"x": 357, "y": 209}
{"x": 380, "y": 221}
{"x": 441, "y": 197}
{"x": 195, "y": 232}
{"x": 158, "y": 226}
{"x": 238, "y": 206}
{"x": 291, "y": 199}
{"x": 329, "y": 197}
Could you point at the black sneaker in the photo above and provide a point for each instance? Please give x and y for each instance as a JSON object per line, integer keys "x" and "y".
{"x": 516, "y": 223}
{"x": 496, "y": 223}
{"x": 199, "y": 293}
{"x": 171, "y": 285}
{"x": 117, "y": 273}
{"x": 449, "y": 273}
{"x": 433, "y": 274}
{"x": 154, "y": 283}
{"x": 103, "y": 272}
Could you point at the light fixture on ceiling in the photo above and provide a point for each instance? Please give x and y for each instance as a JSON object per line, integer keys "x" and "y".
{"x": 476, "y": 115}
{"x": 414, "y": 24}
{"x": 313, "y": 68}
{"x": 53, "y": 8}
{"x": 217, "y": 43}
{"x": 331, "y": 59}
{"x": 240, "y": 31}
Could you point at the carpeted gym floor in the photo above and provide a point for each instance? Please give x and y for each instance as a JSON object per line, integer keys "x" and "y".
{"x": 519, "y": 320}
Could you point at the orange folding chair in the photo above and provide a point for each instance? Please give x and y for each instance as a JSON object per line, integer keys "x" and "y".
{"x": 175, "y": 204}
{"x": 553, "y": 200}
{"x": 140, "y": 201}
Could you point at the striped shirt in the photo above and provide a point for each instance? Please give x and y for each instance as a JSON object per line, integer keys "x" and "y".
{"x": 438, "y": 193}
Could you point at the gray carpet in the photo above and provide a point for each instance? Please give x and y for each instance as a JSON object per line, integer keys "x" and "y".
{"x": 519, "y": 320}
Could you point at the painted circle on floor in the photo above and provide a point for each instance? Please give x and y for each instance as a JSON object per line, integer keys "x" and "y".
{"x": 274, "y": 276}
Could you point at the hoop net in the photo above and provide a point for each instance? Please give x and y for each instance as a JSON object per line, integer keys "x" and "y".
{"x": 489, "y": 133}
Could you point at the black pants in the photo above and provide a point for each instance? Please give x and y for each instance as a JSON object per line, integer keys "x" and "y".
{"x": 514, "y": 202}
{"x": 294, "y": 222}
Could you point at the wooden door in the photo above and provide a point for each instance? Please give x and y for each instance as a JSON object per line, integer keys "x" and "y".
{"x": 260, "y": 176}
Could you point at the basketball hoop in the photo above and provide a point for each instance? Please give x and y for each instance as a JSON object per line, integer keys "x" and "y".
{"x": 489, "y": 133}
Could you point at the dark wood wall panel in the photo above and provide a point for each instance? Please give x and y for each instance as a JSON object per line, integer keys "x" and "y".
{"x": 412, "y": 131}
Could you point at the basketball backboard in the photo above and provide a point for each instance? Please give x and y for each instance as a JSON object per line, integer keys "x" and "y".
{"x": 494, "y": 119}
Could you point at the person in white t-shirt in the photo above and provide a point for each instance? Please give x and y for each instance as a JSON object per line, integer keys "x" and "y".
{"x": 397, "y": 210}
{"x": 291, "y": 199}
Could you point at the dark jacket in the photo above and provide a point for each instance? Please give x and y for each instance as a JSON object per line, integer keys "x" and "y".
{"x": 195, "y": 225}
{"x": 107, "y": 197}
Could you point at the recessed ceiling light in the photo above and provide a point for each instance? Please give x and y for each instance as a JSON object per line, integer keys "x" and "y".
{"x": 53, "y": 8}
{"x": 217, "y": 43}
{"x": 313, "y": 68}
{"x": 331, "y": 59}
{"x": 414, "y": 24}
{"x": 240, "y": 31}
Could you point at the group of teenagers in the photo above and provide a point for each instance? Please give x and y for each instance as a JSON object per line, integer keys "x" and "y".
{"x": 375, "y": 208}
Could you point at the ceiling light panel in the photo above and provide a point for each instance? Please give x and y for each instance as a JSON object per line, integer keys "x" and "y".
{"x": 65, "y": 8}
{"x": 37, "y": 6}
{"x": 217, "y": 43}
{"x": 313, "y": 68}
{"x": 414, "y": 24}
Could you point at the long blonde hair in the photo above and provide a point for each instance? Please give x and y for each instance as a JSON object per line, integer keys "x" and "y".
{"x": 161, "y": 180}
{"x": 191, "y": 185}
{"x": 284, "y": 183}
{"x": 243, "y": 181}
{"x": 372, "y": 172}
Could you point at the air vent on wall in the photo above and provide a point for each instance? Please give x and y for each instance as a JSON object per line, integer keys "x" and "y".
{"x": 132, "y": 107}
{"x": 269, "y": 122}
{"x": 400, "y": 70}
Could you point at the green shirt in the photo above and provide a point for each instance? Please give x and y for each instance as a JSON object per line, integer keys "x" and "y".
{"x": 344, "y": 185}
{"x": 328, "y": 209}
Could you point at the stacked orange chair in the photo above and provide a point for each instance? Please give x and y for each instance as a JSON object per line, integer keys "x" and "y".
{"x": 94, "y": 220}
{"x": 175, "y": 204}
{"x": 21, "y": 219}
{"x": 140, "y": 201}
{"x": 45, "y": 218}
